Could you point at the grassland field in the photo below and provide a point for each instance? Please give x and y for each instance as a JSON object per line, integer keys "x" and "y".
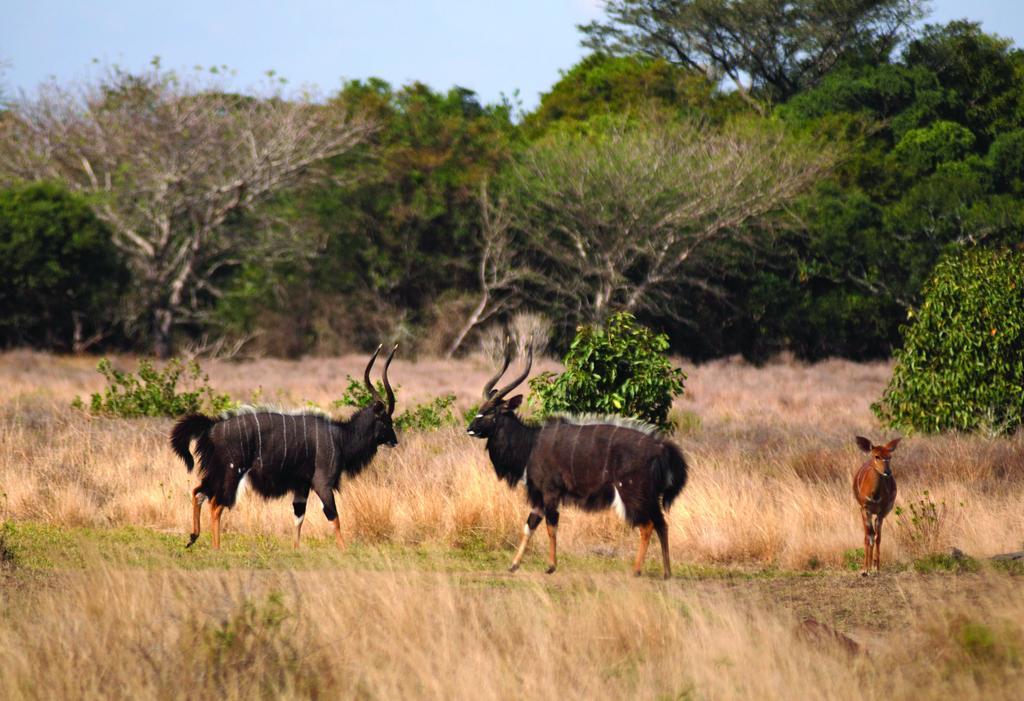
{"x": 99, "y": 598}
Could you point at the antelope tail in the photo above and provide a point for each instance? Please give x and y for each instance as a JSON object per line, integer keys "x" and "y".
{"x": 671, "y": 467}
{"x": 187, "y": 428}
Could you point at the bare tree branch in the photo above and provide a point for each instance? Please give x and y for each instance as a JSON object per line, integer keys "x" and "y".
{"x": 501, "y": 270}
{"x": 622, "y": 219}
{"x": 166, "y": 162}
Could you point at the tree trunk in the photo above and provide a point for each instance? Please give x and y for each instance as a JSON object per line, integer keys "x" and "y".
{"x": 471, "y": 322}
{"x": 80, "y": 344}
{"x": 163, "y": 320}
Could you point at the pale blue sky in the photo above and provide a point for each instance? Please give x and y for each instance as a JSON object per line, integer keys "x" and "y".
{"x": 490, "y": 47}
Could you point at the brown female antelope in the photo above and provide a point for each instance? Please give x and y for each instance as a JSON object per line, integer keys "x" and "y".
{"x": 874, "y": 487}
{"x": 594, "y": 462}
{"x": 277, "y": 454}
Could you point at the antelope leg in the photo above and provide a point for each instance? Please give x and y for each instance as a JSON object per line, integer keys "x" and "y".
{"x": 299, "y": 508}
{"x": 551, "y": 517}
{"x": 662, "y": 530}
{"x": 641, "y": 553}
{"x": 878, "y": 543}
{"x": 197, "y": 506}
{"x": 532, "y": 521}
{"x": 215, "y": 513}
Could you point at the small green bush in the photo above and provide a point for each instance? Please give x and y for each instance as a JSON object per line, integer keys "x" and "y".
{"x": 356, "y": 395}
{"x": 435, "y": 414}
{"x": 853, "y": 559}
{"x": 431, "y": 416}
{"x": 961, "y": 367}
{"x": 154, "y": 392}
{"x": 922, "y": 523}
{"x": 620, "y": 368}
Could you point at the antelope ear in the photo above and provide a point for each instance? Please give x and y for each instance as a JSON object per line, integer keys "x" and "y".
{"x": 864, "y": 444}
{"x": 514, "y": 402}
{"x": 891, "y": 445}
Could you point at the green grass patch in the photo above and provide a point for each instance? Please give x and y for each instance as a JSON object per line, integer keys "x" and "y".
{"x": 8, "y": 558}
{"x": 1013, "y": 567}
{"x": 39, "y": 548}
{"x": 941, "y": 562}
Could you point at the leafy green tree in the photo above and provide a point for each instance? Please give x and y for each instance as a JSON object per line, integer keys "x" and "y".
{"x": 60, "y": 276}
{"x": 982, "y": 73}
{"x": 962, "y": 363}
{"x": 767, "y": 48}
{"x": 618, "y": 368}
{"x": 602, "y": 83}
{"x": 923, "y": 178}
{"x": 920, "y": 152}
{"x": 1006, "y": 162}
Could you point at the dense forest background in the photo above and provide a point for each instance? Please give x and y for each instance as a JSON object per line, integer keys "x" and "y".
{"x": 750, "y": 177}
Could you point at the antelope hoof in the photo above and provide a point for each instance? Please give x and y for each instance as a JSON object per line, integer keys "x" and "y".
{"x": 636, "y": 573}
{"x": 550, "y": 570}
{"x": 513, "y": 567}
{"x": 667, "y": 575}
{"x": 192, "y": 537}
{"x": 864, "y": 573}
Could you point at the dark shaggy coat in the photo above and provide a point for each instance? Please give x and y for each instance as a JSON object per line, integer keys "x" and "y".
{"x": 594, "y": 463}
{"x": 276, "y": 454}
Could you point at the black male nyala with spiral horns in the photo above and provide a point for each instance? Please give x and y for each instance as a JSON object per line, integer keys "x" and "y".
{"x": 594, "y": 462}
{"x": 277, "y": 453}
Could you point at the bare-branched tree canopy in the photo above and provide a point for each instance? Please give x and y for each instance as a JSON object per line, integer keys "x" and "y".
{"x": 501, "y": 269}
{"x": 771, "y": 47}
{"x": 166, "y": 162}
{"x": 627, "y": 216}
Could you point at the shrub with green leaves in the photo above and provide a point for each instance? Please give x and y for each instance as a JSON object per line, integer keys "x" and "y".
{"x": 357, "y": 396}
{"x": 430, "y": 416}
{"x": 961, "y": 367}
{"x": 154, "y": 392}
{"x": 618, "y": 368}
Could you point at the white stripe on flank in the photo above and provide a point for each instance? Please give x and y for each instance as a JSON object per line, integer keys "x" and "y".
{"x": 608, "y": 451}
{"x": 316, "y": 441}
{"x": 572, "y": 455}
{"x": 259, "y": 437}
{"x": 284, "y": 427}
{"x": 617, "y": 504}
{"x": 241, "y": 442}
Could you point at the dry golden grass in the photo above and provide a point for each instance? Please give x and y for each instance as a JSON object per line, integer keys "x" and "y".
{"x": 772, "y": 456}
{"x": 165, "y": 634}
